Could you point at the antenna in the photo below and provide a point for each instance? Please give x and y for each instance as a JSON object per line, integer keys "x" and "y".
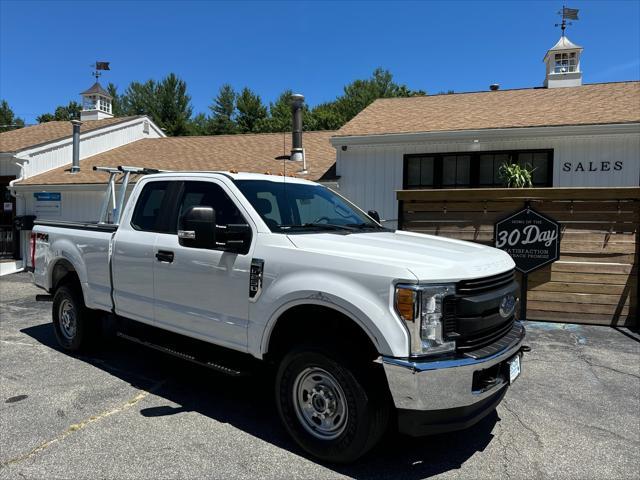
{"x": 567, "y": 14}
{"x": 97, "y": 67}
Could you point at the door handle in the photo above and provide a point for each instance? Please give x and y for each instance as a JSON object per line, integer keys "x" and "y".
{"x": 164, "y": 256}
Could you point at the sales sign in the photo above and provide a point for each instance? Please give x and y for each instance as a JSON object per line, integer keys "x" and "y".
{"x": 531, "y": 239}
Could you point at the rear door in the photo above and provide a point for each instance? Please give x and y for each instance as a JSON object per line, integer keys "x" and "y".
{"x": 133, "y": 251}
{"x": 201, "y": 292}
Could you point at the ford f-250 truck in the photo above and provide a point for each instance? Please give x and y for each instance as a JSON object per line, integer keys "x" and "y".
{"x": 365, "y": 327}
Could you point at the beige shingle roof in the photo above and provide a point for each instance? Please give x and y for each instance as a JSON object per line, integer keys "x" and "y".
{"x": 28, "y": 137}
{"x": 588, "y": 104}
{"x": 246, "y": 153}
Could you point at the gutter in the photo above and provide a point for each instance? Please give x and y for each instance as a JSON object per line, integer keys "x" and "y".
{"x": 486, "y": 134}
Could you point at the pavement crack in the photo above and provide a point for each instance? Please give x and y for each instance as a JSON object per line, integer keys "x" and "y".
{"x": 535, "y": 434}
{"x": 76, "y": 427}
{"x": 593, "y": 364}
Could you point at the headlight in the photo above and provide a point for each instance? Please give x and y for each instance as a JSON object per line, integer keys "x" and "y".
{"x": 420, "y": 306}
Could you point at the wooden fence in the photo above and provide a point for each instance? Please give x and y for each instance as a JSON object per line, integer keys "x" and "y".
{"x": 596, "y": 279}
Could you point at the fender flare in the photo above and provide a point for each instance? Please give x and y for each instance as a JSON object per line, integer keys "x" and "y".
{"x": 326, "y": 300}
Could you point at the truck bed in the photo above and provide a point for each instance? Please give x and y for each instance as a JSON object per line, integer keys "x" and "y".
{"x": 84, "y": 245}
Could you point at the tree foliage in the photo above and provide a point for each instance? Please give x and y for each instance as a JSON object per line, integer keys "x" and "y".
{"x": 223, "y": 112}
{"x": 251, "y": 111}
{"x": 8, "y": 119}
{"x": 168, "y": 104}
{"x": 71, "y": 111}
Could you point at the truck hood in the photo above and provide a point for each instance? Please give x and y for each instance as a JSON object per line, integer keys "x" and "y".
{"x": 428, "y": 257}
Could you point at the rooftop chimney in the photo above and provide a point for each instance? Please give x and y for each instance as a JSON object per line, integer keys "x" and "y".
{"x": 494, "y": 86}
{"x": 297, "y": 152}
{"x": 75, "y": 163}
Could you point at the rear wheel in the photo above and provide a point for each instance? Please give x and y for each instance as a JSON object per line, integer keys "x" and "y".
{"x": 75, "y": 326}
{"x": 334, "y": 408}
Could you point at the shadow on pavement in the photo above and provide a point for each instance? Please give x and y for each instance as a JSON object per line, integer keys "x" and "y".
{"x": 247, "y": 403}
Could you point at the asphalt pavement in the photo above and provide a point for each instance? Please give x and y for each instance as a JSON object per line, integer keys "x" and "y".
{"x": 128, "y": 412}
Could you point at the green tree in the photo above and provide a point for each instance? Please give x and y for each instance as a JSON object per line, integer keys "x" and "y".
{"x": 166, "y": 103}
{"x": 173, "y": 106}
{"x": 8, "y": 119}
{"x": 324, "y": 117}
{"x": 223, "y": 110}
{"x": 200, "y": 125}
{"x": 116, "y": 101}
{"x": 251, "y": 111}
{"x": 361, "y": 93}
{"x": 139, "y": 99}
{"x": 71, "y": 111}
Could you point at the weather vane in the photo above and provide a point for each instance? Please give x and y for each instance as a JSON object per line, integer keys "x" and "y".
{"x": 99, "y": 66}
{"x": 567, "y": 14}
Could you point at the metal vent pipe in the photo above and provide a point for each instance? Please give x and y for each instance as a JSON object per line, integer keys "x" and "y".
{"x": 75, "y": 162}
{"x": 297, "y": 153}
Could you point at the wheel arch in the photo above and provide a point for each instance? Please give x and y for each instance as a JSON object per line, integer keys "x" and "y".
{"x": 294, "y": 318}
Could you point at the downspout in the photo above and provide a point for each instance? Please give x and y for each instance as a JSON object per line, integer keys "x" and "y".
{"x": 20, "y": 196}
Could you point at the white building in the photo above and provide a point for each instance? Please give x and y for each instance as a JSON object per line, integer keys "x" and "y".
{"x": 574, "y": 135}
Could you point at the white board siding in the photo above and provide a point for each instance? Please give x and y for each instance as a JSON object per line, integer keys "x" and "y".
{"x": 60, "y": 153}
{"x": 371, "y": 175}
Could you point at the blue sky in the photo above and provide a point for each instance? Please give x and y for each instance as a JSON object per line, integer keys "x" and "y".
{"x": 46, "y": 47}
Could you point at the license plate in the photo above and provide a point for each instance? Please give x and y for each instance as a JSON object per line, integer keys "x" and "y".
{"x": 514, "y": 368}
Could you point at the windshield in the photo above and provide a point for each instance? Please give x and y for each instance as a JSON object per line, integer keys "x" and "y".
{"x": 296, "y": 207}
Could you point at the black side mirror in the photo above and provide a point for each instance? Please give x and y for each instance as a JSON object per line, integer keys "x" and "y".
{"x": 237, "y": 237}
{"x": 198, "y": 227}
{"x": 374, "y": 214}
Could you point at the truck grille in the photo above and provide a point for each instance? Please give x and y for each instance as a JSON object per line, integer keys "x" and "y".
{"x": 486, "y": 284}
{"x": 472, "y": 318}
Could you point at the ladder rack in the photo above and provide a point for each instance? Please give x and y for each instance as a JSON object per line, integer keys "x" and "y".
{"x": 111, "y": 206}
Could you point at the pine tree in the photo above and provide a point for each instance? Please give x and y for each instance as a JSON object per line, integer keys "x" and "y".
{"x": 223, "y": 111}
{"x": 8, "y": 120}
{"x": 251, "y": 111}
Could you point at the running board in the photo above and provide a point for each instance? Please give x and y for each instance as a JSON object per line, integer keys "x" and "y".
{"x": 213, "y": 365}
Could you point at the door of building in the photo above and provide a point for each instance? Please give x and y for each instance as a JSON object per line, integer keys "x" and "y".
{"x": 8, "y": 234}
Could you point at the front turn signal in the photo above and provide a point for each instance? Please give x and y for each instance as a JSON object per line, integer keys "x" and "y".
{"x": 406, "y": 303}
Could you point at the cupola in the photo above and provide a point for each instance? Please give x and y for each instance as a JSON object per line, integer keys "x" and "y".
{"x": 563, "y": 64}
{"x": 96, "y": 103}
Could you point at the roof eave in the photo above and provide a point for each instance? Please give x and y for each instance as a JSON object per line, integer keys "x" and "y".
{"x": 488, "y": 133}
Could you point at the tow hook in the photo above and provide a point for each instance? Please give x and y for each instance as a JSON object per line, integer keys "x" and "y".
{"x": 525, "y": 348}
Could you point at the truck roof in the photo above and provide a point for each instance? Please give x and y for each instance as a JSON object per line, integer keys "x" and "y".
{"x": 234, "y": 176}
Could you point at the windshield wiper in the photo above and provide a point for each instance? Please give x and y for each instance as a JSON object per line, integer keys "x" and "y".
{"x": 318, "y": 226}
{"x": 367, "y": 226}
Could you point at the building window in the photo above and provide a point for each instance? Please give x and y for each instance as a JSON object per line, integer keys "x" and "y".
{"x": 565, "y": 62}
{"x": 472, "y": 170}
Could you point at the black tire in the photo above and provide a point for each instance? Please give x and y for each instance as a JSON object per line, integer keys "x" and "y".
{"x": 365, "y": 397}
{"x": 79, "y": 330}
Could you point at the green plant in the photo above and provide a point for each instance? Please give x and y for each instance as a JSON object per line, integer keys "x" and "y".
{"x": 516, "y": 176}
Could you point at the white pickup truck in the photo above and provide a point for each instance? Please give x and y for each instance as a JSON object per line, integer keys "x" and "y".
{"x": 365, "y": 327}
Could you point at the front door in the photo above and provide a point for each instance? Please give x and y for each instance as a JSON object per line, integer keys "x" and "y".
{"x": 200, "y": 292}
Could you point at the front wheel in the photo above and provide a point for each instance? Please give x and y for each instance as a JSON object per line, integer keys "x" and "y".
{"x": 334, "y": 408}
{"x": 75, "y": 326}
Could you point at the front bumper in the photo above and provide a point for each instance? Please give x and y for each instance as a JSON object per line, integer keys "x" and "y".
{"x": 443, "y": 393}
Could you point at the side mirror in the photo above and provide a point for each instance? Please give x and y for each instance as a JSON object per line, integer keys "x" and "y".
{"x": 237, "y": 237}
{"x": 374, "y": 214}
{"x": 198, "y": 227}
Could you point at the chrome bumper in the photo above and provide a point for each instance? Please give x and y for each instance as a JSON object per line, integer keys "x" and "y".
{"x": 443, "y": 384}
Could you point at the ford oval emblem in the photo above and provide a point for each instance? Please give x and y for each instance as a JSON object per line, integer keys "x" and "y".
{"x": 507, "y": 306}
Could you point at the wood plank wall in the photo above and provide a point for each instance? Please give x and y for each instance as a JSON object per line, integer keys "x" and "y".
{"x": 596, "y": 279}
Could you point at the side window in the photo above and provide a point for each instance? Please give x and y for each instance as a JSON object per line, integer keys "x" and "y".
{"x": 148, "y": 210}
{"x": 210, "y": 195}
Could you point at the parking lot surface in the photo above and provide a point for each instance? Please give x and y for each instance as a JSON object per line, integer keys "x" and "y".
{"x": 128, "y": 412}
